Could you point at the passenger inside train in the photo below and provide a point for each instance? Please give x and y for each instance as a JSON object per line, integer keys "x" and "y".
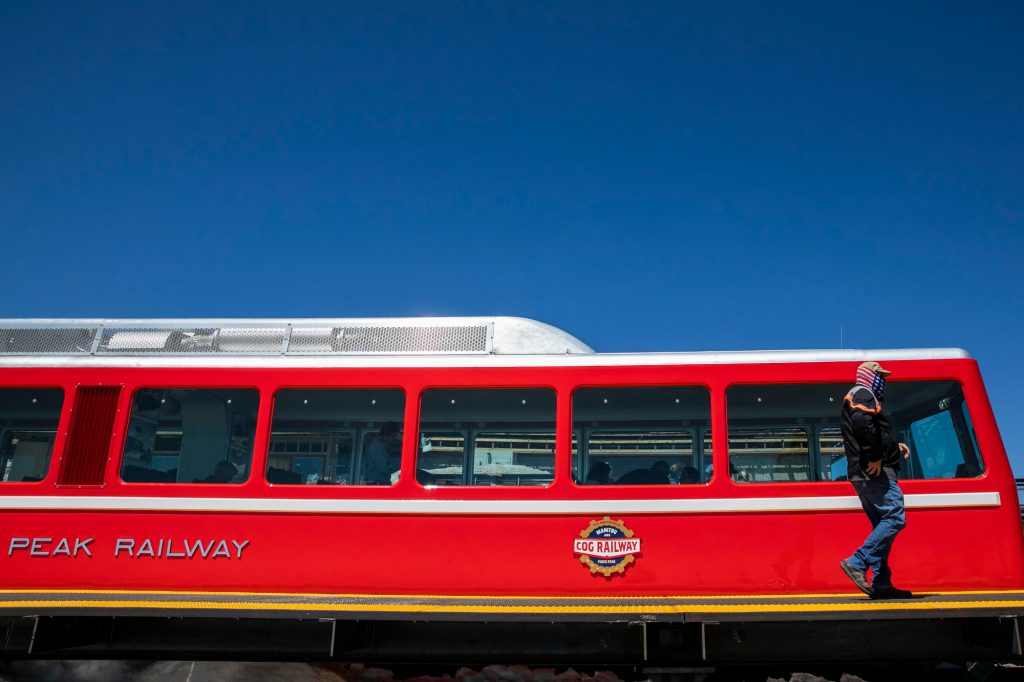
{"x": 600, "y": 474}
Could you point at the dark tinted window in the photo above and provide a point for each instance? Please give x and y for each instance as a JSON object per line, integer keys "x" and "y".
{"x": 933, "y": 419}
{"x": 190, "y": 435}
{"x": 642, "y": 436}
{"x": 791, "y": 432}
{"x": 28, "y": 427}
{"x": 336, "y": 436}
{"x": 786, "y": 432}
{"x": 491, "y": 436}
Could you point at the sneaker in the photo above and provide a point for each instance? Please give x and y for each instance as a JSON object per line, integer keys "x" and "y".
{"x": 858, "y": 577}
{"x": 891, "y": 593}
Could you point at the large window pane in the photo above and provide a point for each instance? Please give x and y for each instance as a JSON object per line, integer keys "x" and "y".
{"x": 791, "y": 432}
{"x": 190, "y": 435}
{"x": 336, "y": 437}
{"x": 785, "y": 433}
{"x": 642, "y": 436}
{"x": 492, "y": 436}
{"x": 28, "y": 427}
{"x": 933, "y": 419}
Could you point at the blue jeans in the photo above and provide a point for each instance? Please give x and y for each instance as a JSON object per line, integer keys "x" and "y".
{"x": 882, "y": 500}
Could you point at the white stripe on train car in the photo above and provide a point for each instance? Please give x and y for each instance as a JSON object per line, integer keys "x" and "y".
{"x": 504, "y": 507}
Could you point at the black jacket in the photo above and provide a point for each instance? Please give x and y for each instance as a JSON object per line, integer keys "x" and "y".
{"x": 867, "y": 434}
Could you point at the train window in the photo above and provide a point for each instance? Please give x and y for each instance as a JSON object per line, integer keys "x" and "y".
{"x": 28, "y": 427}
{"x": 336, "y": 436}
{"x": 786, "y": 432}
{"x": 491, "y": 436}
{"x": 652, "y": 435}
{"x": 190, "y": 435}
{"x": 791, "y": 432}
{"x": 933, "y": 419}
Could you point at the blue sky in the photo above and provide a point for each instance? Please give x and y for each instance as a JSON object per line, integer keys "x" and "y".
{"x": 649, "y": 177}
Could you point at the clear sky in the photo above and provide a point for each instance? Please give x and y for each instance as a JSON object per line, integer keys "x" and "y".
{"x": 645, "y": 176}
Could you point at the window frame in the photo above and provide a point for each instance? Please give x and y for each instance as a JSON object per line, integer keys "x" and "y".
{"x": 912, "y": 465}
{"x": 697, "y": 432}
{"x": 359, "y": 436}
{"x": 963, "y": 431}
{"x": 129, "y": 396}
{"x": 468, "y": 433}
{"x": 59, "y": 430}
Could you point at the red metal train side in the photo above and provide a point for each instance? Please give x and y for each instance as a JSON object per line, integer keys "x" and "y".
{"x": 527, "y": 551}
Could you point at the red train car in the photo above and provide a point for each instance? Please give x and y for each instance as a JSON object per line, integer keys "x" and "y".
{"x": 468, "y": 470}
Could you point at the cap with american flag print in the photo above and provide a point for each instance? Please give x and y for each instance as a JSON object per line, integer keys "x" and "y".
{"x": 867, "y": 370}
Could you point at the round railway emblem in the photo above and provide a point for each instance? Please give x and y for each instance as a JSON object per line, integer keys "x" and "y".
{"x": 606, "y": 546}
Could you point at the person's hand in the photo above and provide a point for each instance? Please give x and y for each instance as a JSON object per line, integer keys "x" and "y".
{"x": 905, "y": 450}
{"x": 874, "y": 468}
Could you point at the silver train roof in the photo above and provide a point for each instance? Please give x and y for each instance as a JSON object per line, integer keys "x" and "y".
{"x": 350, "y": 342}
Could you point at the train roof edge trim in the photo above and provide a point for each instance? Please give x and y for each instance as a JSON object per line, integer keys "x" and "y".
{"x": 288, "y": 337}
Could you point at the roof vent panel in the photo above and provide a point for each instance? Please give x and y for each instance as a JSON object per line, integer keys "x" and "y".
{"x": 412, "y": 339}
{"x": 346, "y": 336}
{"x": 60, "y": 340}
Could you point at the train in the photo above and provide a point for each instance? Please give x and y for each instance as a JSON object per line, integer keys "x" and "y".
{"x": 368, "y": 487}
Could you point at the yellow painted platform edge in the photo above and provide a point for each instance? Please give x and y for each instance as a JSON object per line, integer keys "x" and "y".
{"x": 363, "y": 595}
{"x": 861, "y": 605}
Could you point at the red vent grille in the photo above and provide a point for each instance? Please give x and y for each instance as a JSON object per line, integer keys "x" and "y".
{"x": 92, "y": 424}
